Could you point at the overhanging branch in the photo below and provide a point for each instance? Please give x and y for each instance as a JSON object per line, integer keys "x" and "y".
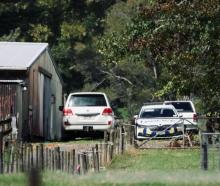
{"x": 116, "y": 76}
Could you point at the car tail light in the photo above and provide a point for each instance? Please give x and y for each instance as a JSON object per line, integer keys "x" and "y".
{"x": 195, "y": 117}
{"x": 107, "y": 111}
{"x": 67, "y": 112}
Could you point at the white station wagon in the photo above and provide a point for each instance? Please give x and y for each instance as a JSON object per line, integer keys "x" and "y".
{"x": 87, "y": 111}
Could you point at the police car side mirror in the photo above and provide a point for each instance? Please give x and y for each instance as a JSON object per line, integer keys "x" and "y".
{"x": 180, "y": 115}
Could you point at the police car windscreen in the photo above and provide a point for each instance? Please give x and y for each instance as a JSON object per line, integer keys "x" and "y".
{"x": 151, "y": 113}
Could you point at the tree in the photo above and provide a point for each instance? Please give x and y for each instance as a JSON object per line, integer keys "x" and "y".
{"x": 130, "y": 78}
{"x": 176, "y": 41}
{"x": 69, "y": 26}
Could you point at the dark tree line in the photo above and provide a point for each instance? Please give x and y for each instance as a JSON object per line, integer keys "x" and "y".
{"x": 134, "y": 50}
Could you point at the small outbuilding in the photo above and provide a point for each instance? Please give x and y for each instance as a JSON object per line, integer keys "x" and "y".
{"x": 30, "y": 90}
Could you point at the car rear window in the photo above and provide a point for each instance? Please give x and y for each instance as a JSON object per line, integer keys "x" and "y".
{"x": 87, "y": 100}
{"x": 150, "y": 113}
{"x": 181, "y": 106}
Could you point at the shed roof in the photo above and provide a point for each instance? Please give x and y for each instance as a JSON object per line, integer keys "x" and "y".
{"x": 19, "y": 55}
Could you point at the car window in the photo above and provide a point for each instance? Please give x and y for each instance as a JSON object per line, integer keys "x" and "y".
{"x": 181, "y": 106}
{"x": 149, "y": 113}
{"x": 87, "y": 100}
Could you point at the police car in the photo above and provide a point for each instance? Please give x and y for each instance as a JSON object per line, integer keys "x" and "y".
{"x": 158, "y": 121}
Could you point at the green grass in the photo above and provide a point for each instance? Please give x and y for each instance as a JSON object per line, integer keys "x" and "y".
{"x": 11, "y": 180}
{"x": 159, "y": 159}
{"x": 121, "y": 178}
{"x": 136, "y": 168}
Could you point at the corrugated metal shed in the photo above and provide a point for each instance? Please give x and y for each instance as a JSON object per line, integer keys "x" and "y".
{"x": 31, "y": 88}
{"x": 19, "y": 55}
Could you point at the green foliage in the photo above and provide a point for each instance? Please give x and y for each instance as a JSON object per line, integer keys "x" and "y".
{"x": 12, "y": 36}
{"x": 39, "y": 32}
{"x": 178, "y": 45}
{"x": 183, "y": 43}
{"x": 136, "y": 50}
{"x": 72, "y": 31}
{"x": 122, "y": 113}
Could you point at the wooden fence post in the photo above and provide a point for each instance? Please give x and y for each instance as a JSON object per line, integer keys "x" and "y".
{"x": 97, "y": 157}
{"x": 78, "y": 166}
{"x": 50, "y": 159}
{"x": 219, "y": 151}
{"x": 1, "y": 154}
{"x": 111, "y": 151}
{"x": 131, "y": 134}
{"x": 118, "y": 137}
{"x": 122, "y": 141}
{"x": 105, "y": 153}
{"x": 68, "y": 162}
{"x": 65, "y": 161}
{"x": 46, "y": 159}
{"x": 57, "y": 158}
{"x": 37, "y": 157}
{"x": 93, "y": 159}
{"x": 8, "y": 160}
{"x": 41, "y": 156}
{"x": 28, "y": 158}
{"x": 73, "y": 161}
{"x": 25, "y": 156}
{"x": 81, "y": 163}
{"x": 17, "y": 167}
{"x": 62, "y": 160}
{"x": 21, "y": 157}
{"x": 85, "y": 163}
{"x": 112, "y": 136}
{"x": 204, "y": 152}
{"x": 34, "y": 177}
{"x": 101, "y": 147}
{"x": 12, "y": 158}
{"x": 53, "y": 167}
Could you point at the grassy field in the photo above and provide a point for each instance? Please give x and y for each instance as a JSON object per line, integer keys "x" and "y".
{"x": 145, "y": 167}
{"x": 160, "y": 159}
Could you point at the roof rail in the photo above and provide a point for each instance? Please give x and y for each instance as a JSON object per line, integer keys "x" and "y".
{"x": 153, "y": 103}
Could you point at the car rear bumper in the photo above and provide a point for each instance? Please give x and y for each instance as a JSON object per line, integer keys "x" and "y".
{"x": 85, "y": 127}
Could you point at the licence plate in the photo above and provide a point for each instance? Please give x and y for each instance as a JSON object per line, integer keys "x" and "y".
{"x": 87, "y": 128}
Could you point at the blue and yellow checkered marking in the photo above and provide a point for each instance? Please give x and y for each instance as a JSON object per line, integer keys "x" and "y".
{"x": 148, "y": 132}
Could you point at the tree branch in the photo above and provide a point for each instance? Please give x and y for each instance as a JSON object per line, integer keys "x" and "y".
{"x": 116, "y": 76}
{"x": 98, "y": 84}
